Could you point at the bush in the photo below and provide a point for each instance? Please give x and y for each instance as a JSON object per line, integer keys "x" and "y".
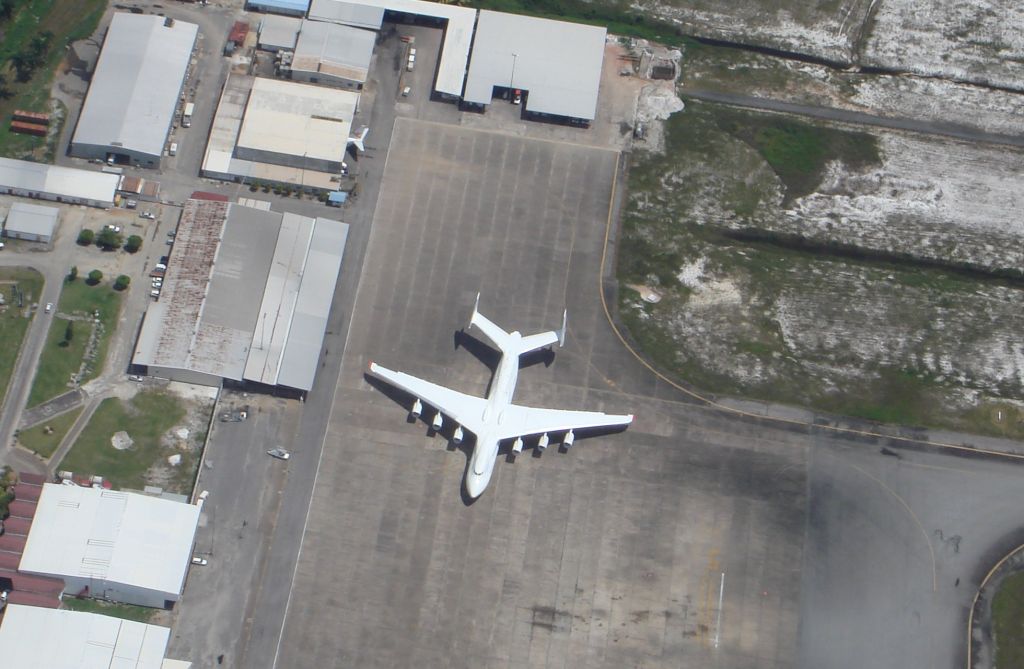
{"x": 133, "y": 244}
{"x": 122, "y": 282}
{"x": 86, "y": 237}
{"x": 108, "y": 240}
{"x": 95, "y": 277}
{"x": 73, "y": 274}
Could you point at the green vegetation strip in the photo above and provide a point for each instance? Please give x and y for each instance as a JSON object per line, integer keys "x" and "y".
{"x": 145, "y": 418}
{"x": 140, "y": 614}
{"x": 13, "y": 319}
{"x": 43, "y": 439}
{"x": 1008, "y": 622}
{"x": 62, "y": 357}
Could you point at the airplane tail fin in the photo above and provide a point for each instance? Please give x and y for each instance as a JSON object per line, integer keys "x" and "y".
{"x": 358, "y": 140}
{"x": 561, "y": 331}
{"x": 499, "y": 337}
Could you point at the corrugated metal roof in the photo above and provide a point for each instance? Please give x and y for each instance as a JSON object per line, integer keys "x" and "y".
{"x": 313, "y": 306}
{"x": 297, "y": 6}
{"x": 119, "y": 536}
{"x": 559, "y": 63}
{"x": 337, "y": 50}
{"x": 279, "y": 32}
{"x": 347, "y": 13}
{"x": 134, "y": 90}
{"x": 58, "y": 639}
{"x": 66, "y": 182}
{"x": 31, "y": 219}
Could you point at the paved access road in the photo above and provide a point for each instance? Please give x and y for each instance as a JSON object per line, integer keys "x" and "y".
{"x": 942, "y": 128}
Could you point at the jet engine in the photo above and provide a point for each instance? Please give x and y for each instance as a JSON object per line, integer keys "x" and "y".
{"x": 438, "y": 422}
{"x": 544, "y": 440}
{"x": 417, "y": 409}
{"x": 457, "y": 437}
{"x": 517, "y": 445}
{"x": 569, "y": 438}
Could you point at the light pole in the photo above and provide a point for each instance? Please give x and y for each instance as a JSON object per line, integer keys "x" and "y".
{"x": 512, "y": 79}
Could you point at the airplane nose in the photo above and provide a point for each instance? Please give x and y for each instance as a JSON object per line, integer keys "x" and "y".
{"x": 474, "y": 486}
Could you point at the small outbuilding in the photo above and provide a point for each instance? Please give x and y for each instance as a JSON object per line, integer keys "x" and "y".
{"x": 278, "y": 33}
{"x": 31, "y": 222}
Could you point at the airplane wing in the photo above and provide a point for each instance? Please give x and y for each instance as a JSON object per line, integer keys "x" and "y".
{"x": 465, "y": 410}
{"x": 520, "y": 421}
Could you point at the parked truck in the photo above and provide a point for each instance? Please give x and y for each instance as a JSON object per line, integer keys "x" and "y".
{"x": 186, "y": 116}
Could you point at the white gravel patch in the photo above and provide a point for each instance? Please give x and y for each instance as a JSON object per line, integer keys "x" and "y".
{"x": 977, "y": 41}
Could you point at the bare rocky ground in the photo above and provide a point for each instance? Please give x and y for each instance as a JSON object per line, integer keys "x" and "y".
{"x": 918, "y": 97}
{"x": 875, "y": 333}
{"x": 976, "y": 41}
{"x": 829, "y": 29}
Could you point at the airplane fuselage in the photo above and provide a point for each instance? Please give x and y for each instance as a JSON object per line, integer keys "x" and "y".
{"x": 485, "y": 450}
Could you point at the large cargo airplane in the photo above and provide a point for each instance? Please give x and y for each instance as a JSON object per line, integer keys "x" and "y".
{"x": 496, "y": 419}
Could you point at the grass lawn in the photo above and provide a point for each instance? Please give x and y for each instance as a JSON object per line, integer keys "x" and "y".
{"x": 148, "y": 416}
{"x": 140, "y": 614}
{"x": 1008, "y": 622}
{"x": 68, "y": 20}
{"x": 60, "y": 358}
{"x": 13, "y": 323}
{"x": 44, "y": 443}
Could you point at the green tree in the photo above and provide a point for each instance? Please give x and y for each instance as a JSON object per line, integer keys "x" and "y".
{"x": 69, "y": 332}
{"x": 108, "y": 240}
{"x": 73, "y": 274}
{"x": 122, "y": 282}
{"x": 133, "y": 244}
{"x": 95, "y": 277}
{"x": 86, "y": 237}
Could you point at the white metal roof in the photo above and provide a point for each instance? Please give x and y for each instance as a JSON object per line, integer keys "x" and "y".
{"x": 134, "y": 89}
{"x": 296, "y": 119}
{"x": 32, "y": 637}
{"x": 313, "y": 305}
{"x": 451, "y": 66}
{"x": 347, "y": 13}
{"x": 65, "y": 182}
{"x": 33, "y": 219}
{"x": 558, "y": 63}
{"x": 334, "y": 50}
{"x": 117, "y": 536}
{"x": 279, "y": 32}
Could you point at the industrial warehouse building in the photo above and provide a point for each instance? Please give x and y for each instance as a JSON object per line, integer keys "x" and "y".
{"x": 352, "y": 14}
{"x": 59, "y": 184}
{"x": 31, "y": 222}
{"x": 245, "y": 298}
{"x": 107, "y": 544}
{"x": 129, "y": 109}
{"x": 557, "y": 65}
{"x": 272, "y": 130}
{"x": 332, "y": 54}
{"x": 58, "y": 639}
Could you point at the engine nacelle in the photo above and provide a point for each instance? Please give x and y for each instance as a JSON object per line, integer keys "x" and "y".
{"x": 457, "y": 437}
{"x": 417, "y": 409}
{"x": 569, "y": 438}
{"x": 544, "y": 441}
{"x": 517, "y": 445}
{"x": 438, "y": 422}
